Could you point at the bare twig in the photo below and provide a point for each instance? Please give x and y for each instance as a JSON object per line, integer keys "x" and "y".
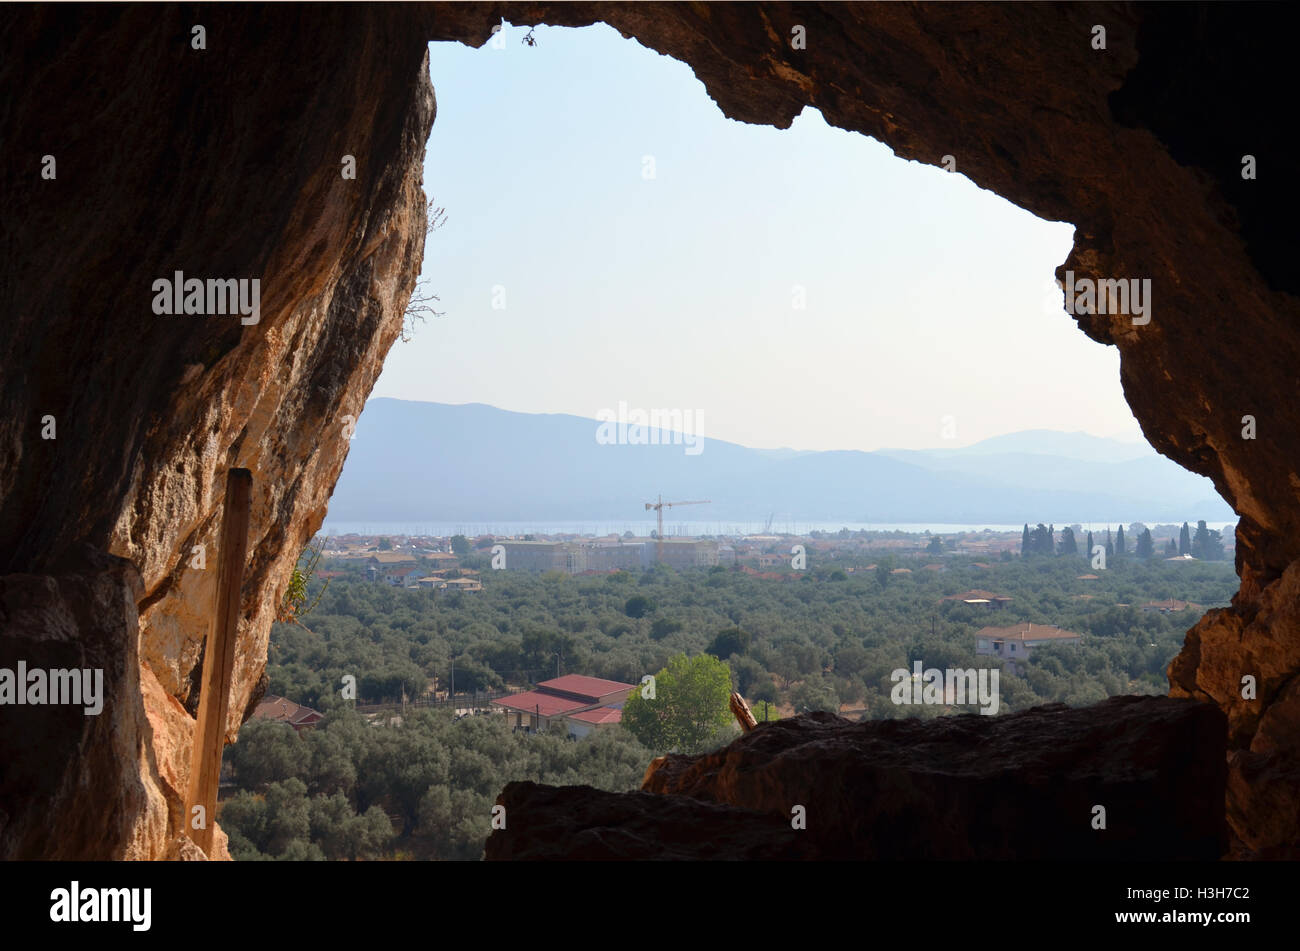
{"x": 420, "y": 307}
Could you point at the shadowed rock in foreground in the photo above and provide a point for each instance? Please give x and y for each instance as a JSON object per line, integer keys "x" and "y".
{"x": 582, "y": 823}
{"x": 1022, "y": 786}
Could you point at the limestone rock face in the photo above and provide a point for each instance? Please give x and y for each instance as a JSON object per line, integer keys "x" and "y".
{"x": 90, "y": 769}
{"x": 1022, "y": 786}
{"x": 225, "y": 162}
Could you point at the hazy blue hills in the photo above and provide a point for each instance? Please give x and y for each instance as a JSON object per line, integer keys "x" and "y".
{"x": 439, "y": 462}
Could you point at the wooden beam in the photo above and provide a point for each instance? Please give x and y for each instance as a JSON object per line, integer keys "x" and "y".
{"x": 219, "y": 661}
{"x": 740, "y": 710}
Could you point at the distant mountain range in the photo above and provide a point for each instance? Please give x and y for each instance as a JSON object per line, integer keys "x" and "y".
{"x": 439, "y": 462}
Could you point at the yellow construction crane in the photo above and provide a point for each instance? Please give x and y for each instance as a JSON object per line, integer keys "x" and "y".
{"x": 659, "y": 510}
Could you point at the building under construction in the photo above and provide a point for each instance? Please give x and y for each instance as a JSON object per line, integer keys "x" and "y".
{"x": 576, "y": 557}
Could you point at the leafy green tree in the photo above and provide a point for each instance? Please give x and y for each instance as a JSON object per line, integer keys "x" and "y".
{"x": 731, "y": 641}
{"x": 662, "y": 627}
{"x": 332, "y": 769}
{"x": 763, "y": 690}
{"x": 288, "y": 815}
{"x": 294, "y": 606}
{"x": 1068, "y": 546}
{"x": 638, "y": 606}
{"x": 243, "y": 818}
{"x": 884, "y": 567}
{"x": 268, "y": 751}
{"x": 764, "y": 711}
{"x": 746, "y": 672}
{"x": 690, "y": 707}
{"x": 851, "y": 660}
{"x": 815, "y": 694}
{"x": 1206, "y": 543}
{"x": 459, "y": 546}
{"x": 1042, "y": 540}
{"x": 936, "y": 545}
{"x": 385, "y": 544}
{"x": 300, "y": 850}
{"x": 1145, "y": 547}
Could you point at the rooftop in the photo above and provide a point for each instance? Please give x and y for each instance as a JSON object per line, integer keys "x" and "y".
{"x": 286, "y": 711}
{"x": 545, "y": 704}
{"x": 582, "y": 686}
{"x": 1027, "y": 632}
{"x": 977, "y": 594}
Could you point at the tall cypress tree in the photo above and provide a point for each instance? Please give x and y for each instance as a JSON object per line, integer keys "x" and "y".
{"x": 1088, "y": 553}
{"x": 1206, "y": 543}
{"x": 1024, "y": 542}
{"x": 1051, "y": 539}
{"x": 1185, "y": 540}
{"x": 1120, "y": 548}
{"x": 1145, "y": 547}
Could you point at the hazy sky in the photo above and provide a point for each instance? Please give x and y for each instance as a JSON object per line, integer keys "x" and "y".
{"x": 925, "y": 296}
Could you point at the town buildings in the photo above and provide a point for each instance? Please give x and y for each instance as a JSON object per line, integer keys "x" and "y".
{"x": 572, "y": 703}
{"x": 1016, "y": 643}
{"x": 980, "y": 597}
{"x": 608, "y": 554}
{"x": 286, "y": 711}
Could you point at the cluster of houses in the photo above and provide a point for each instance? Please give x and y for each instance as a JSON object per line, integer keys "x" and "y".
{"x": 433, "y": 570}
{"x": 573, "y": 704}
{"x": 1016, "y": 642}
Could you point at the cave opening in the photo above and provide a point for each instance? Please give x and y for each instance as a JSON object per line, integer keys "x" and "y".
{"x": 151, "y": 419}
{"x": 575, "y": 273}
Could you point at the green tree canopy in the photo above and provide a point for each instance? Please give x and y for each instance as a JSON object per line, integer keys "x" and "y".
{"x": 1206, "y": 543}
{"x": 638, "y": 606}
{"x": 731, "y": 641}
{"x": 1145, "y": 547}
{"x": 690, "y": 706}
